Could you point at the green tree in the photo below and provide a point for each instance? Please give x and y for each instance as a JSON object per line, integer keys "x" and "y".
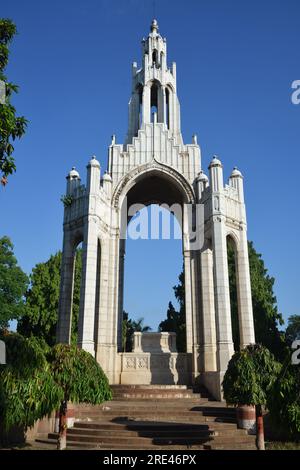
{"x": 127, "y": 332}
{"x": 41, "y": 308}
{"x": 175, "y": 322}
{"x": 293, "y": 329}
{"x": 129, "y": 326}
{"x": 27, "y": 389}
{"x": 284, "y": 401}
{"x": 138, "y": 325}
{"x": 80, "y": 378}
{"x": 265, "y": 311}
{"x": 248, "y": 380}
{"x": 13, "y": 284}
{"x": 38, "y": 379}
{"x": 11, "y": 126}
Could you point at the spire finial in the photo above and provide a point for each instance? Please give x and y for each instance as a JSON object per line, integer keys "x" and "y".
{"x": 154, "y": 26}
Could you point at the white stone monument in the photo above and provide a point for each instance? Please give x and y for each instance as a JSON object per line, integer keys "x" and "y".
{"x": 154, "y": 165}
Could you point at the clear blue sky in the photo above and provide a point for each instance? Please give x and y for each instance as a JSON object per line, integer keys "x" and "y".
{"x": 236, "y": 61}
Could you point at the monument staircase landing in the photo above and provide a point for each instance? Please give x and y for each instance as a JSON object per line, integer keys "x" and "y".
{"x": 156, "y": 417}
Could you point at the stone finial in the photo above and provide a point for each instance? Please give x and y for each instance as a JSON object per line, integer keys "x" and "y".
{"x": 202, "y": 177}
{"x": 154, "y": 26}
{"x": 107, "y": 177}
{"x": 194, "y": 139}
{"x": 215, "y": 162}
{"x": 73, "y": 174}
{"x": 94, "y": 162}
{"x": 236, "y": 173}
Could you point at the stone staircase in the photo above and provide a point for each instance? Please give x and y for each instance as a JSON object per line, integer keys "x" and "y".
{"x": 168, "y": 417}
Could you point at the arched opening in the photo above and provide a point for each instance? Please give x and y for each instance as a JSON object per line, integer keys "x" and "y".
{"x": 168, "y": 108}
{"x": 139, "y": 91}
{"x": 97, "y": 294}
{"x": 76, "y": 291}
{"x": 232, "y": 273}
{"x": 155, "y": 58}
{"x": 154, "y": 100}
{"x": 154, "y": 251}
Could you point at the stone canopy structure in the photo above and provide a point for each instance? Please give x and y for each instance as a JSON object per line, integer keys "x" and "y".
{"x": 155, "y": 166}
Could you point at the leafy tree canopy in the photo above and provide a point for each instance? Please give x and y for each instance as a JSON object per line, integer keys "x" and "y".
{"x": 27, "y": 389}
{"x": 11, "y": 126}
{"x": 265, "y": 311}
{"x": 293, "y": 329}
{"x": 41, "y": 308}
{"x": 13, "y": 284}
{"x": 175, "y": 322}
{"x": 249, "y": 376}
{"x": 78, "y": 374}
{"x": 284, "y": 400}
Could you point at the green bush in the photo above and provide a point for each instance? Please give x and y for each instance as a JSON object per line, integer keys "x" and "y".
{"x": 249, "y": 376}
{"x": 284, "y": 401}
{"x": 27, "y": 389}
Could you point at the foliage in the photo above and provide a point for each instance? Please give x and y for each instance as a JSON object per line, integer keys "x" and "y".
{"x": 67, "y": 200}
{"x": 13, "y": 284}
{"x": 293, "y": 329}
{"x": 284, "y": 400}
{"x": 250, "y": 374}
{"x": 27, "y": 389}
{"x": 41, "y": 308}
{"x": 78, "y": 374}
{"x": 37, "y": 379}
{"x": 128, "y": 328}
{"x": 175, "y": 322}
{"x": 265, "y": 312}
{"x": 11, "y": 126}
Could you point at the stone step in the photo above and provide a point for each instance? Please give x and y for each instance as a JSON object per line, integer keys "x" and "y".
{"x": 146, "y": 431}
{"x": 123, "y": 440}
{"x": 149, "y": 425}
{"x": 142, "y": 432}
{"x": 116, "y": 446}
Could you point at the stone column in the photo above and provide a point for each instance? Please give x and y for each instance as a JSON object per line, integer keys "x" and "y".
{"x": 208, "y": 347}
{"x": 246, "y": 324}
{"x": 243, "y": 283}
{"x": 86, "y": 324}
{"x": 225, "y": 347}
{"x": 87, "y": 306}
{"x": 146, "y": 104}
{"x": 188, "y": 301}
{"x": 66, "y": 291}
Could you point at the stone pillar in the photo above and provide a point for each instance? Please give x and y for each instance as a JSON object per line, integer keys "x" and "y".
{"x": 221, "y": 280}
{"x": 66, "y": 291}
{"x": 188, "y": 301}
{"x": 86, "y": 324}
{"x": 208, "y": 347}
{"x": 243, "y": 283}
{"x": 246, "y": 324}
{"x": 146, "y": 104}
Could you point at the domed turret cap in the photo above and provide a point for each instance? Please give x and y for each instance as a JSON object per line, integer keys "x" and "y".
{"x": 215, "y": 162}
{"x": 107, "y": 177}
{"x": 202, "y": 177}
{"x": 94, "y": 162}
{"x": 73, "y": 174}
{"x": 235, "y": 173}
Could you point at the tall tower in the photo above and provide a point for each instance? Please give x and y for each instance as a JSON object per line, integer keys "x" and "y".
{"x": 155, "y": 166}
{"x": 154, "y": 94}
